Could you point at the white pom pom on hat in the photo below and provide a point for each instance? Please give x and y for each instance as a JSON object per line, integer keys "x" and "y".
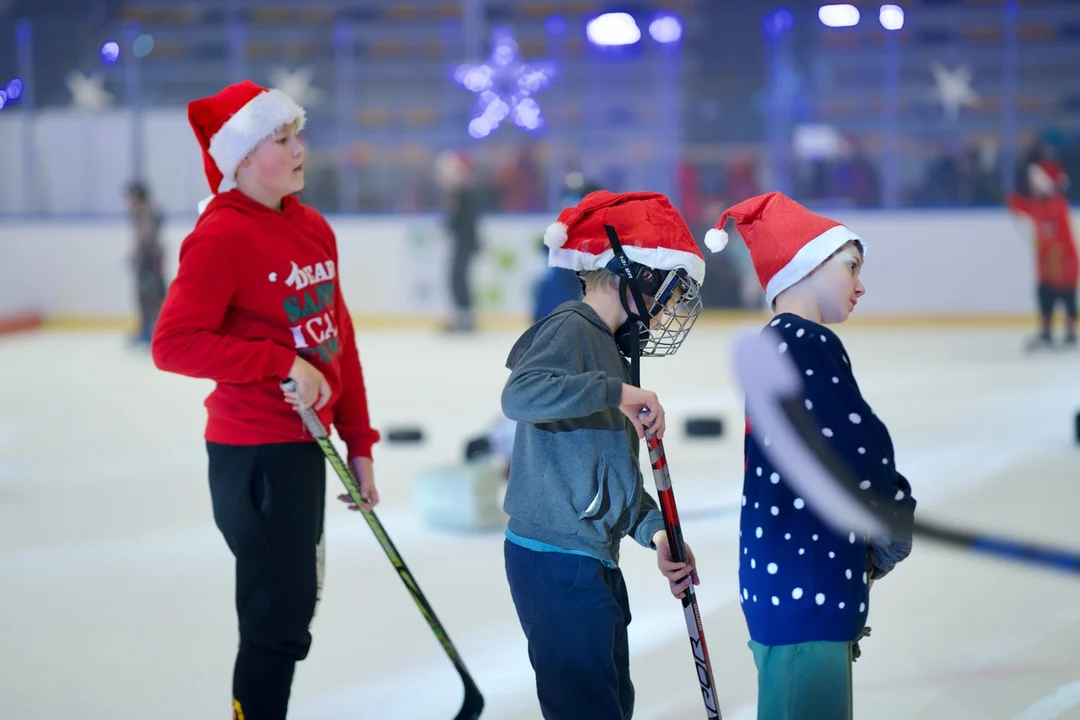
{"x": 716, "y": 239}
{"x": 556, "y": 235}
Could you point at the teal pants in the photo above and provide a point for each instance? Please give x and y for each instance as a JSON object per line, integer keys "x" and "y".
{"x": 807, "y": 681}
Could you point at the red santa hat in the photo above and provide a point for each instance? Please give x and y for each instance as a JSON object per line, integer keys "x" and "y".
{"x": 786, "y": 241}
{"x": 651, "y": 232}
{"x": 230, "y": 124}
{"x": 1048, "y": 176}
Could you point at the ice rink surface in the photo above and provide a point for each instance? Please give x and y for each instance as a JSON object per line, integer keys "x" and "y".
{"x": 117, "y": 589}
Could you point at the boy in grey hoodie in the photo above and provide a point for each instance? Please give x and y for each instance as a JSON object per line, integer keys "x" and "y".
{"x": 575, "y": 487}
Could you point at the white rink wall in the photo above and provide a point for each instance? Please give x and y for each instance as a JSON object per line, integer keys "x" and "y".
{"x": 919, "y": 264}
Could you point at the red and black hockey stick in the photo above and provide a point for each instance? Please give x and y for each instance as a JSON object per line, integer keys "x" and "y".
{"x": 662, "y": 478}
{"x": 663, "y": 487}
{"x": 473, "y": 702}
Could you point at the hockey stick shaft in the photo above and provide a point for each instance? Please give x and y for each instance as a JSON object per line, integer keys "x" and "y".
{"x": 694, "y": 626}
{"x": 1025, "y": 552}
{"x": 473, "y": 702}
{"x": 1062, "y": 559}
{"x": 774, "y": 390}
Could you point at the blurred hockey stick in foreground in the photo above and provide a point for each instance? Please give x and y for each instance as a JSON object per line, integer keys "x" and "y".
{"x": 774, "y": 399}
{"x": 473, "y": 702}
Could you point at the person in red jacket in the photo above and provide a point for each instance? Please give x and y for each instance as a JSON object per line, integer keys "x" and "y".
{"x": 256, "y": 300}
{"x": 1056, "y": 257}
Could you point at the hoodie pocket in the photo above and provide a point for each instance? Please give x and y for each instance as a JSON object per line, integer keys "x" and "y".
{"x": 569, "y": 499}
{"x": 600, "y": 502}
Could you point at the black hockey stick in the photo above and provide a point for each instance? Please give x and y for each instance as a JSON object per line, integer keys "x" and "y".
{"x": 774, "y": 399}
{"x": 694, "y": 627}
{"x": 473, "y": 702}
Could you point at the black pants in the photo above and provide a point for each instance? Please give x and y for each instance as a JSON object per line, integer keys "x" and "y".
{"x": 1049, "y": 297}
{"x": 150, "y": 291}
{"x": 460, "y": 262}
{"x": 269, "y": 502}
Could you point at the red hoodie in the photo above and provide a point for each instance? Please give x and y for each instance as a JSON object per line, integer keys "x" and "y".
{"x": 1057, "y": 263}
{"x": 254, "y": 288}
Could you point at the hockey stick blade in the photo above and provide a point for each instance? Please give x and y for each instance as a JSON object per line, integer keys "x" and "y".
{"x": 793, "y": 442}
{"x": 694, "y": 627}
{"x": 473, "y": 701}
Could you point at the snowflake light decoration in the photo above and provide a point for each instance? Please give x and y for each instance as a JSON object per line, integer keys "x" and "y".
{"x": 505, "y": 87}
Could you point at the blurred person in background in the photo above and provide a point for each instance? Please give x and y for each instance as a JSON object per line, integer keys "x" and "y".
{"x": 738, "y": 287}
{"x": 559, "y": 285}
{"x": 147, "y": 260}
{"x": 1057, "y": 265}
{"x": 454, "y": 174}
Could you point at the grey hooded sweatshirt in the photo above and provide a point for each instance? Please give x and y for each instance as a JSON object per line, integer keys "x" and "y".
{"x": 575, "y": 481}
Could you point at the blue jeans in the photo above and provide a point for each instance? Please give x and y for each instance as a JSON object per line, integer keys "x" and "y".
{"x": 574, "y": 612}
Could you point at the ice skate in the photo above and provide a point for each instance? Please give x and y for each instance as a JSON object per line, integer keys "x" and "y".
{"x": 1039, "y": 343}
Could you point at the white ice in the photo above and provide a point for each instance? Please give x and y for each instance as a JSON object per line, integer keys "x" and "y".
{"x": 117, "y": 589}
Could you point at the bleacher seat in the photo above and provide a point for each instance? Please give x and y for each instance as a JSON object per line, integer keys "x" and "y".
{"x": 419, "y": 117}
{"x": 272, "y": 15}
{"x": 402, "y": 12}
{"x": 373, "y": 117}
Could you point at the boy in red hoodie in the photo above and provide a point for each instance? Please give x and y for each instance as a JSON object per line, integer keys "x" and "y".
{"x": 256, "y": 300}
{"x": 1055, "y": 248}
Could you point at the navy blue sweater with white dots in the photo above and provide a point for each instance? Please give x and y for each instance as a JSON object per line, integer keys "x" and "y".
{"x": 799, "y": 580}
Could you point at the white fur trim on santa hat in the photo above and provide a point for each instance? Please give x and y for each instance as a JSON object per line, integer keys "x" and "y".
{"x": 716, "y": 239}
{"x": 810, "y": 255}
{"x": 656, "y": 258}
{"x": 253, "y": 123}
{"x": 556, "y": 235}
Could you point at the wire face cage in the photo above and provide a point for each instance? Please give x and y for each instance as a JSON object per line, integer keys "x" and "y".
{"x": 676, "y": 306}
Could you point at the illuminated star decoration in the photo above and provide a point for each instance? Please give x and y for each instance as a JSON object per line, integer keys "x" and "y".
{"x": 88, "y": 93}
{"x": 505, "y": 87}
{"x": 296, "y": 84}
{"x": 953, "y": 88}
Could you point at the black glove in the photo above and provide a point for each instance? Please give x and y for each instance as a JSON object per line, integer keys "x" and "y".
{"x": 856, "y": 651}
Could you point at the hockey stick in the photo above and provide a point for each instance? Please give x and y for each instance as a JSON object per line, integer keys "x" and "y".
{"x": 662, "y": 478}
{"x": 774, "y": 398}
{"x": 473, "y": 702}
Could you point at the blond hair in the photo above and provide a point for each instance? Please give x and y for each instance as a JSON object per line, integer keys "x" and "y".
{"x": 602, "y": 279}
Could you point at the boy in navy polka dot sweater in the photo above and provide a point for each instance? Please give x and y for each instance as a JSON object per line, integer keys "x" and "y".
{"x": 804, "y": 588}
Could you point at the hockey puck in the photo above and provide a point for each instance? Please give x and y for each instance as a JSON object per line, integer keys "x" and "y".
{"x": 477, "y": 448}
{"x": 405, "y": 435}
{"x": 704, "y": 427}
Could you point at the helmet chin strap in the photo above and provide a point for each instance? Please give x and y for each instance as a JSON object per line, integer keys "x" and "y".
{"x": 630, "y": 333}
